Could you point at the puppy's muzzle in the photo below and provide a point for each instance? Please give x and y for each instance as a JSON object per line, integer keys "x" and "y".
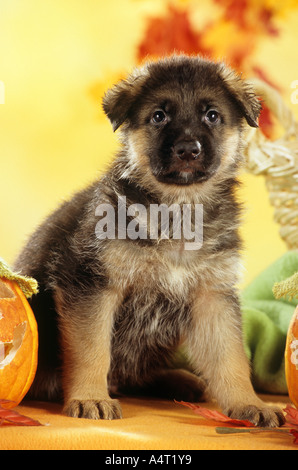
{"x": 187, "y": 150}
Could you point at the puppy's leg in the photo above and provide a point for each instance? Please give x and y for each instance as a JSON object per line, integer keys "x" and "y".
{"x": 86, "y": 336}
{"x": 216, "y": 350}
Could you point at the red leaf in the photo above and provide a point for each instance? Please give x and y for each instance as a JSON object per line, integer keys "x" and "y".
{"x": 171, "y": 33}
{"x": 216, "y": 415}
{"x": 291, "y": 415}
{"x": 295, "y": 434}
{"x": 240, "y": 12}
{"x": 235, "y": 10}
{"x": 16, "y": 418}
{"x": 5, "y": 401}
{"x": 266, "y": 18}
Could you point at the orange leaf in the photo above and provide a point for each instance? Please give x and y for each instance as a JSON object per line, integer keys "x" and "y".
{"x": 16, "y": 418}
{"x": 216, "y": 415}
{"x": 171, "y": 33}
{"x": 291, "y": 415}
{"x": 295, "y": 434}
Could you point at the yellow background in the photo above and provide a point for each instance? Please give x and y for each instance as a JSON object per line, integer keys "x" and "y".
{"x": 54, "y": 139}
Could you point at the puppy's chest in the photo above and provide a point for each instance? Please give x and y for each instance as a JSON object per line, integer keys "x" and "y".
{"x": 148, "y": 328}
{"x": 167, "y": 268}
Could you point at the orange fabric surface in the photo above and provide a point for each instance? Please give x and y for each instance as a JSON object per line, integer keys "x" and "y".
{"x": 148, "y": 424}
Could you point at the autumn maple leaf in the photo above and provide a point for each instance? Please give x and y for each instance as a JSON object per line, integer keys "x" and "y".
{"x": 290, "y": 427}
{"x": 291, "y": 416}
{"x": 215, "y": 415}
{"x": 15, "y": 418}
{"x": 171, "y": 33}
{"x": 292, "y": 421}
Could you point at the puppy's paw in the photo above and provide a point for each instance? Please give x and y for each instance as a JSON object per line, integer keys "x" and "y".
{"x": 93, "y": 409}
{"x": 265, "y": 416}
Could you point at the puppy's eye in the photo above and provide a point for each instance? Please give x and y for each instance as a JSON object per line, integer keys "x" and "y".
{"x": 159, "y": 117}
{"x": 212, "y": 117}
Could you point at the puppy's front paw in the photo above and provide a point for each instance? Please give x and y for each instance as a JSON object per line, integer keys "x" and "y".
{"x": 94, "y": 409}
{"x": 265, "y": 416}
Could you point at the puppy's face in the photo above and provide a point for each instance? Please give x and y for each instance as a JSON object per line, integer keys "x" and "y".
{"x": 182, "y": 118}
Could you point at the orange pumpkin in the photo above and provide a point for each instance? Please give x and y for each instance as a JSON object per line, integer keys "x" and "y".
{"x": 18, "y": 343}
{"x": 291, "y": 359}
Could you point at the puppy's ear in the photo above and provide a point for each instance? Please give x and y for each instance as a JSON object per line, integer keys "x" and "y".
{"x": 243, "y": 93}
{"x": 118, "y": 101}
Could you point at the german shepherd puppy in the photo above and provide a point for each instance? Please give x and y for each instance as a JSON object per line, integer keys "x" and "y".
{"x": 115, "y": 303}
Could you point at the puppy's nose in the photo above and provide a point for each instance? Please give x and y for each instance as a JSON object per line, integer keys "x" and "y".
{"x": 187, "y": 150}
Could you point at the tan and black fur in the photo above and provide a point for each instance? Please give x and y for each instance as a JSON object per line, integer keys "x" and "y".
{"x": 112, "y": 313}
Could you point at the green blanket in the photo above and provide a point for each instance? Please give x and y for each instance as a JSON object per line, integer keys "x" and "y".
{"x": 266, "y": 320}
